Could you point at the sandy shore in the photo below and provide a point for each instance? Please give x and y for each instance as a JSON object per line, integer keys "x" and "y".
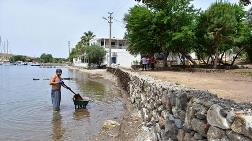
{"x": 96, "y": 73}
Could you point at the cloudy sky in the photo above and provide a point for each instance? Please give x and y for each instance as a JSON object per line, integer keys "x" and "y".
{"x": 33, "y": 27}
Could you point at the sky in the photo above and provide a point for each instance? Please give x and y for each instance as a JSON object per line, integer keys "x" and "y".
{"x": 33, "y": 27}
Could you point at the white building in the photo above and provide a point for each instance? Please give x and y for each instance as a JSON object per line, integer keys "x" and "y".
{"x": 119, "y": 54}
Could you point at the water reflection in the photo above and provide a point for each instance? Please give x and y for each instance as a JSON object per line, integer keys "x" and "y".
{"x": 88, "y": 87}
{"x": 57, "y": 129}
{"x": 79, "y": 114}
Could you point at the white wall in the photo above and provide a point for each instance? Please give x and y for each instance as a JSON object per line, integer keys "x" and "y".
{"x": 77, "y": 63}
{"x": 123, "y": 57}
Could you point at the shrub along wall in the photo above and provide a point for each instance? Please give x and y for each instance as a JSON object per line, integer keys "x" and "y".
{"x": 177, "y": 113}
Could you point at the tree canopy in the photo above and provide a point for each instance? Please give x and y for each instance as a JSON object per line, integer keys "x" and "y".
{"x": 160, "y": 2}
{"x": 162, "y": 26}
{"x": 220, "y": 28}
{"x": 141, "y": 31}
{"x": 175, "y": 26}
{"x": 79, "y": 48}
{"x": 46, "y": 58}
{"x": 95, "y": 54}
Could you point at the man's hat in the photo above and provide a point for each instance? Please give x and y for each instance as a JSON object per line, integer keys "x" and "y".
{"x": 59, "y": 71}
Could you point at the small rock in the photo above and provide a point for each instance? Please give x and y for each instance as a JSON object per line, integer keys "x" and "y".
{"x": 181, "y": 134}
{"x": 197, "y": 136}
{"x": 236, "y": 137}
{"x": 188, "y": 137}
{"x": 200, "y": 126}
{"x": 181, "y": 101}
{"x": 109, "y": 124}
{"x": 243, "y": 125}
{"x": 178, "y": 123}
{"x": 215, "y": 118}
{"x": 215, "y": 133}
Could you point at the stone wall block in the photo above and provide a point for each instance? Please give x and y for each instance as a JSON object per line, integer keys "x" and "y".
{"x": 171, "y": 130}
{"x": 181, "y": 135}
{"x": 166, "y": 102}
{"x": 215, "y": 133}
{"x": 155, "y": 115}
{"x": 160, "y": 109}
{"x": 182, "y": 115}
{"x": 164, "y": 114}
{"x": 146, "y": 115}
{"x": 161, "y": 123}
{"x": 243, "y": 125}
{"x": 189, "y": 115}
{"x": 201, "y": 111}
{"x": 178, "y": 123}
{"x": 197, "y": 136}
{"x": 173, "y": 99}
{"x": 215, "y": 118}
{"x": 200, "y": 126}
{"x": 175, "y": 111}
{"x": 181, "y": 101}
{"x": 236, "y": 137}
{"x": 189, "y": 137}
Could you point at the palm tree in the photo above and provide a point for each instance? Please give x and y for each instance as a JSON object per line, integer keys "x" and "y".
{"x": 87, "y": 37}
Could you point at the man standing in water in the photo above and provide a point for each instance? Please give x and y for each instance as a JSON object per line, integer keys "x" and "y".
{"x": 56, "y": 82}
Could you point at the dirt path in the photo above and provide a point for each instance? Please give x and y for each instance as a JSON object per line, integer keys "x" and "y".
{"x": 229, "y": 85}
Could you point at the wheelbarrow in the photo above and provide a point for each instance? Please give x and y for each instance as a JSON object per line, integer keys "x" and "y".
{"x": 79, "y": 102}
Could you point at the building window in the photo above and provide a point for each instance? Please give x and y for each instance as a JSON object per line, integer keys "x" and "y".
{"x": 113, "y": 60}
{"x": 102, "y": 43}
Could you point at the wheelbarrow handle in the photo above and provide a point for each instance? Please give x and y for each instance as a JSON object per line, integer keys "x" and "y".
{"x": 63, "y": 84}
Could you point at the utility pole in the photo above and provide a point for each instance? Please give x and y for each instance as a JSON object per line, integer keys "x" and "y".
{"x": 7, "y": 47}
{"x": 69, "y": 51}
{"x": 110, "y": 25}
{"x": 4, "y": 47}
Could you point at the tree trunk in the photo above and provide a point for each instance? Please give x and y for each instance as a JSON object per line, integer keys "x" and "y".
{"x": 202, "y": 58}
{"x": 165, "y": 59}
{"x": 221, "y": 58}
{"x": 237, "y": 56}
{"x": 208, "y": 59}
{"x": 216, "y": 60}
{"x": 189, "y": 57}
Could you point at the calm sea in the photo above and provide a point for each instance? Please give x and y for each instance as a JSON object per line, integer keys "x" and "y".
{"x": 26, "y": 111}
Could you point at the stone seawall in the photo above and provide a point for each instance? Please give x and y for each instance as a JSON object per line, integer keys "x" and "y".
{"x": 176, "y": 113}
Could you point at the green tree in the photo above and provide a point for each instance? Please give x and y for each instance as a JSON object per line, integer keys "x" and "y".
{"x": 221, "y": 27}
{"x": 180, "y": 18}
{"x": 46, "y": 58}
{"x": 15, "y": 58}
{"x": 95, "y": 54}
{"x": 159, "y": 2}
{"x": 79, "y": 48}
{"x": 87, "y": 37}
{"x": 249, "y": 49}
{"x": 141, "y": 31}
{"x": 162, "y": 26}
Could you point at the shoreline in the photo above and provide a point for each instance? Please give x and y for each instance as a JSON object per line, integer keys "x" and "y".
{"x": 129, "y": 125}
{"x": 96, "y": 73}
